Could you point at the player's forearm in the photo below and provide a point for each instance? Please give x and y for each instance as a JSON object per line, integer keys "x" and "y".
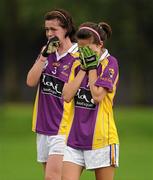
{"x": 71, "y": 88}
{"x": 35, "y": 72}
{"x": 98, "y": 93}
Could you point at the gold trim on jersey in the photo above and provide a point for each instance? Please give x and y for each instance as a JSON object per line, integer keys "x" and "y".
{"x": 105, "y": 132}
{"x": 104, "y": 64}
{"x": 100, "y": 135}
{"x": 68, "y": 111}
{"x": 35, "y": 111}
{"x": 75, "y": 55}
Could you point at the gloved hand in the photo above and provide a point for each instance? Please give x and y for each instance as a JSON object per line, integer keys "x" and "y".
{"x": 51, "y": 46}
{"x": 82, "y": 60}
{"x": 89, "y": 58}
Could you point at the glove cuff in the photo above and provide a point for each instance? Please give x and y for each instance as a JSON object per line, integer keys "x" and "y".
{"x": 44, "y": 54}
{"x": 92, "y": 67}
{"x": 83, "y": 69}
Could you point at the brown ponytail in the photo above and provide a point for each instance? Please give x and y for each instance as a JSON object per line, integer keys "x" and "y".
{"x": 105, "y": 31}
{"x": 87, "y": 30}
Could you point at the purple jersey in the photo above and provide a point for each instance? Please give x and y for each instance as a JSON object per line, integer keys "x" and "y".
{"x": 93, "y": 125}
{"x": 49, "y": 116}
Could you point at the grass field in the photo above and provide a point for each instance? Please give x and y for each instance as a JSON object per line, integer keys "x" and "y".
{"x": 18, "y": 153}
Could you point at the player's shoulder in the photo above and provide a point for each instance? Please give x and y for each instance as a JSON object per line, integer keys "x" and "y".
{"x": 112, "y": 59}
{"x": 74, "y": 50}
{"x": 109, "y": 61}
{"x": 75, "y": 54}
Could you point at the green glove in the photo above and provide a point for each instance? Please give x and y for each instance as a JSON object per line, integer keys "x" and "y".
{"x": 51, "y": 46}
{"x": 89, "y": 58}
{"x": 82, "y": 59}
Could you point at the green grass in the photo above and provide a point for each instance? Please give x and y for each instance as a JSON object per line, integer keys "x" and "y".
{"x": 18, "y": 151}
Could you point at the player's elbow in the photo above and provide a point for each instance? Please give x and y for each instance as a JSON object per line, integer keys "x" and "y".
{"x": 30, "y": 82}
{"x": 99, "y": 95}
{"x": 97, "y": 99}
{"x": 66, "y": 98}
{"x": 66, "y": 94}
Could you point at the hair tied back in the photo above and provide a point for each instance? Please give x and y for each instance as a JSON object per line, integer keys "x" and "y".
{"x": 100, "y": 26}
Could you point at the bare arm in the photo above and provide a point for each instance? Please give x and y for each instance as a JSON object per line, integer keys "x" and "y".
{"x": 98, "y": 93}
{"x": 35, "y": 72}
{"x": 71, "y": 88}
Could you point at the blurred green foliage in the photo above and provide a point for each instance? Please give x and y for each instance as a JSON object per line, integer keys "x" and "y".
{"x": 22, "y": 36}
{"x": 18, "y": 151}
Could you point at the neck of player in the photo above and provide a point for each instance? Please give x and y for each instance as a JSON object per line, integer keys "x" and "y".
{"x": 64, "y": 46}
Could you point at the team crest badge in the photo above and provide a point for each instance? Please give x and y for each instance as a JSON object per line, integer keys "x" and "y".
{"x": 111, "y": 72}
{"x": 65, "y": 67}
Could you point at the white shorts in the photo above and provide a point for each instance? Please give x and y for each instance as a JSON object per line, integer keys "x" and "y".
{"x": 49, "y": 145}
{"x": 93, "y": 159}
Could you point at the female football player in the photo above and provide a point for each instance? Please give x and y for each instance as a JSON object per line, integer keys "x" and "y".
{"x": 92, "y": 141}
{"x": 50, "y": 71}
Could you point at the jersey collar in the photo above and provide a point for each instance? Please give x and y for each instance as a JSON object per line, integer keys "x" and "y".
{"x": 73, "y": 49}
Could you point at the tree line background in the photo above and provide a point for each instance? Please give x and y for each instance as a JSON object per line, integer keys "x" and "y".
{"x": 22, "y": 35}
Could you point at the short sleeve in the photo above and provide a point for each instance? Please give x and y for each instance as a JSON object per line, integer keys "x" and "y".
{"x": 109, "y": 74}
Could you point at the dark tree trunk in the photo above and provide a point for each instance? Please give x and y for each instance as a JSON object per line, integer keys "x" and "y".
{"x": 11, "y": 76}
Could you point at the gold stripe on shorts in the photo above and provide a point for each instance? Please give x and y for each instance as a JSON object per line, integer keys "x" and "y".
{"x": 113, "y": 155}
